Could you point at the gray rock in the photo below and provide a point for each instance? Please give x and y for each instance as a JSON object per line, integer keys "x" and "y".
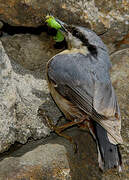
{"x": 31, "y": 93}
{"x": 30, "y": 51}
{"x": 7, "y": 102}
{"x": 46, "y": 162}
{"x": 21, "y": 93}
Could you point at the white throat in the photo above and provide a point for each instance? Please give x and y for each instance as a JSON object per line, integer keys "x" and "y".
{"x": 75, "y": 44}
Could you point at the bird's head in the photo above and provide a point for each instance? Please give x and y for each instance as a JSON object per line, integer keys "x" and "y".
{"x": 74, "y": 37}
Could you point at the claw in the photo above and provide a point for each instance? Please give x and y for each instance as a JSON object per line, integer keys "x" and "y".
{"x": 75, "y": 147}
{"x": 58, "y": 131}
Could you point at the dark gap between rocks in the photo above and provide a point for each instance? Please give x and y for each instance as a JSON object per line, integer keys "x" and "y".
{"x": 7, "y": 29}
{"x": 11, "y": 30}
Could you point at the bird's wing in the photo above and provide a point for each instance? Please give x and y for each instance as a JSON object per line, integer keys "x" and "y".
{"x": 85, "y": 82}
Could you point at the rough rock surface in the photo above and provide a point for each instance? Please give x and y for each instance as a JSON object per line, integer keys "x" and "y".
{"x": 46, "y": 162}
{"x": 67, "y": 165}
{"x": 97, "y": 14}
{"x": 30, "y": 51}
{"x": 7, "y": 102}
{"x": 120, "y": 79}
{"x": 21, "y": 93}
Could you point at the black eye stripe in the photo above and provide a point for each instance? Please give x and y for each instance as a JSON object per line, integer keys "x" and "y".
{"x": 84, "y": 40}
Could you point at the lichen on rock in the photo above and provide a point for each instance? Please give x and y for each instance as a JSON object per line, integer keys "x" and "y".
{"x": 21, "y": 93}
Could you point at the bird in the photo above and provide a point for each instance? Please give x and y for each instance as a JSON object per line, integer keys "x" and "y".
{"x": 79, "y": 82}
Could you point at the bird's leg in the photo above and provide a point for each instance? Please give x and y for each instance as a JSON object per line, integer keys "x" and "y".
{"x": 58, "y": 129}
{"x": 69, "y": 138}
{"x": 84, "y": 125}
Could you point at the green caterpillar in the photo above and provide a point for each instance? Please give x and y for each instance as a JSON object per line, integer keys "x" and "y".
{"x": 51, "y": 22}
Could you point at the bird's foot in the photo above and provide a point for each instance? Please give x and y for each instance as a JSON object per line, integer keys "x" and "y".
{"x": 58, "y": 129}
{"x": 69, "y": 138}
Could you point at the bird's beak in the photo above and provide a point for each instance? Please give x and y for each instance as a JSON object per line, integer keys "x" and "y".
{"x": 63, "y": 25}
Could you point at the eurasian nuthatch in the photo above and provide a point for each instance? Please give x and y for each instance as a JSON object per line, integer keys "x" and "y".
{"x": 80, "y": 84}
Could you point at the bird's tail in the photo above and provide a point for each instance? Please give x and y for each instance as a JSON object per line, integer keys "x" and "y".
{"x": 108, "y": 153}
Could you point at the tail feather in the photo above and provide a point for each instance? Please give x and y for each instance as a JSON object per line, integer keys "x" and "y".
{"x": 108, "y": 153}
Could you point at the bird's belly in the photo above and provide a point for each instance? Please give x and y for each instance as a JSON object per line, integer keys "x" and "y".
{"x": 70, "y": 111}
